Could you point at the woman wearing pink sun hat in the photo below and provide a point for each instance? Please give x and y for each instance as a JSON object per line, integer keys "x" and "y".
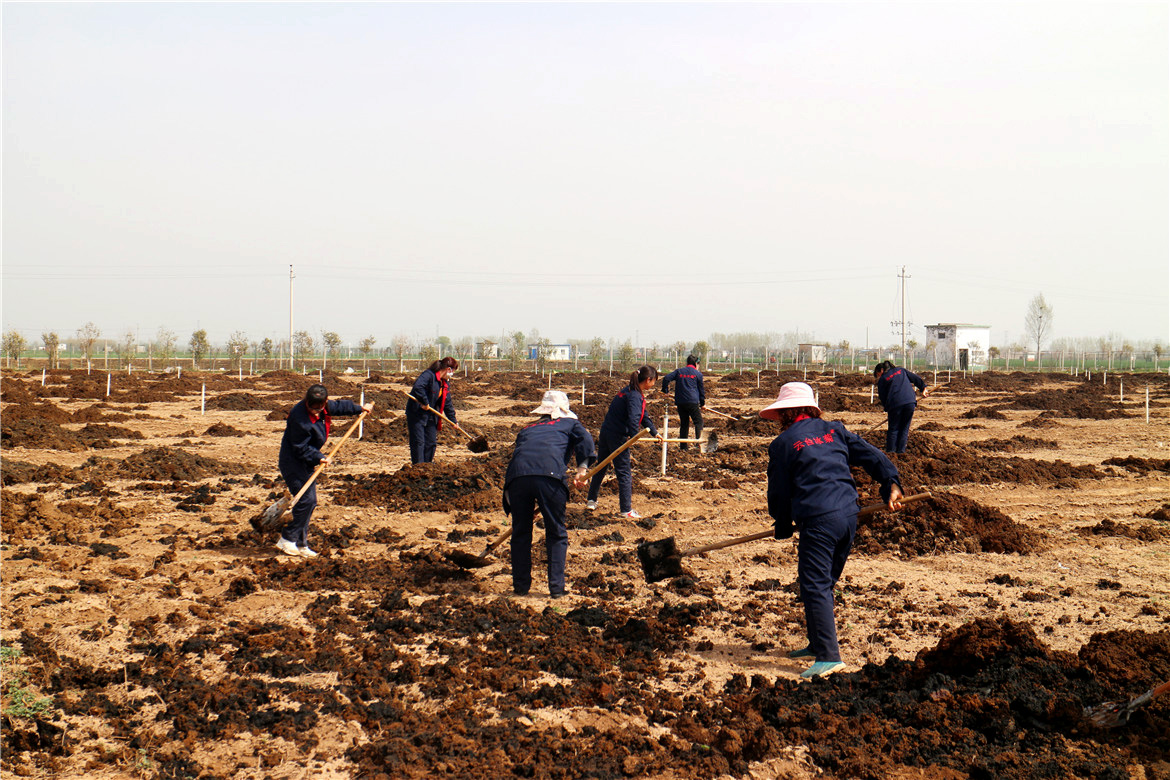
{"x": 811, "y": 489}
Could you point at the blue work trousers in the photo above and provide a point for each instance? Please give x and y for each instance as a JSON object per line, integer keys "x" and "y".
{"x": 297, "y": 529}
{"x": 424, "y": 436}
{"x": 525, "y": 494}
{"x": 622, "y": 469}
{"x": 688, "y": 413}
{"x": 825, "y": 542}
{"x": 898, "y": 429}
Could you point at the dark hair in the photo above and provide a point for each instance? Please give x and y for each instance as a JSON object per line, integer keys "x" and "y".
{"x": 640, "y": 376}
{"x": 316, "y": 395}
{"x": 882, "y": 367}
{"x": 787, "y": 417}
{"x": 447, "y": 362}
{"x": 692, "y": 360}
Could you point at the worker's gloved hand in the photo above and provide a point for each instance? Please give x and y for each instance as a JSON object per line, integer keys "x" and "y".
{"x": 784, "y": 530}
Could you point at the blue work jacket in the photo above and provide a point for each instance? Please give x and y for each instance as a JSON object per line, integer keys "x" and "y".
{"x": 300, "y": 448}
{"x": 896, "y": 387}
{"x": 428, "y": 388}
{"x": 688, "y": 386}
{"x": 808, "y": 472}
{"x": 626, "y": 416}
{"x": 546, "y": 447}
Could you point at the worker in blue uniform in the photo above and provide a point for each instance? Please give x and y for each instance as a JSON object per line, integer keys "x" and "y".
{"x": 536, "y": 480}
{"x": 811, "y": 490}
{"x": 689, "y": 397}
{"x": 895, "y": 386}
{"x": 430, "y": 391}
{"x": 305, "y": 433}
{"x": 626, "y": 416}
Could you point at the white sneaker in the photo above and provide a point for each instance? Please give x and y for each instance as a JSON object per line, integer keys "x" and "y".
{"x": 287, "y": 547}
{"x": 632, "y": 514}
{"x": 590, "y": 505}
{"x": 305, "y": 552}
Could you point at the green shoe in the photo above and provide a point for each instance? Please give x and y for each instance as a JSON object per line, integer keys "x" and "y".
{"x": 822, "y": 669}
{"x": 804, "y": 652}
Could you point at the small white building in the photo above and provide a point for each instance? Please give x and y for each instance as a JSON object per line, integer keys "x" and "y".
{"x": 552, "y": 352}
{"x": 812, "y": 353}
{"x": 958, "y": 346}
{"x": 487, "y": 351}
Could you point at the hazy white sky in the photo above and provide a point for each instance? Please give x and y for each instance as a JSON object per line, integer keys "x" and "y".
{"x": 650, "y": 171}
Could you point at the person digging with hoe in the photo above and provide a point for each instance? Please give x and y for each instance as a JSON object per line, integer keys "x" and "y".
{"x": 626, "y": 416}
{"x": 895, "y": 386}
{"x": 430, "y": 390}
{"x": 536, "y": 479}
{"x": 305, "y": 434}
{"x": 811, "y": 490}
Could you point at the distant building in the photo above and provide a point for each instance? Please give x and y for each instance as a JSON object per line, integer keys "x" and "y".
{"x": 487, "y": 351}
{"x": 553, "y": 351}
{"x": 958, "y": 346}
{"x": 812, "y": 353}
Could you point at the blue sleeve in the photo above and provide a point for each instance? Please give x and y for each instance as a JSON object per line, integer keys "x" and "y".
{"x": 702, "y": 392}
{"x": 916, "y": 380}
{"x": 666, "y": 380}
{"x": 449, "y": 408}
{"x": 583, "y": 447}
{"x": 874, "y": 461}
{"x": 643, "y": 419}
{"x": 421, "y": 389}
{"x": 779, "y": 492}
{"x": 300, "y": 432}
{"x": 883, "y": 391}
{"x": 343, "y": 407}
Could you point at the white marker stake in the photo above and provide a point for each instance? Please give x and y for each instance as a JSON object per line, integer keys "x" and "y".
{"x": 109, "y": 377}
{"x": 42, "y": 377}
{"x": 361, "y": 423}
{"x": 1147, "y": 404}
{"x": 1121, "y": 391}
{"x": 582, "y": 392}
{"x": 180, "y": 376}
{"x": 665, "y": 434}
{"x": 203, "y": 400}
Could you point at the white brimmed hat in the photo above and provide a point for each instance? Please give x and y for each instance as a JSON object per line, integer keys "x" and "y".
{"x": 554, "y": 403}
{"x": 793, "y": 395}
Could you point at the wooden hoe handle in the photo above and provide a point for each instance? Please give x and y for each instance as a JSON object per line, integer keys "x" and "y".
{"x": 330, "y": 454}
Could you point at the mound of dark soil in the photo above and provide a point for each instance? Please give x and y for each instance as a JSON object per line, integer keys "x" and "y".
{"x": 1082, "y": 401}
{"x": 239, "y": 402}
{"x": 160, "y": 463}
{"x": 944, "y": 523}
{"x": 1144, "y": 532}
{"x": 475, "y": 484}
{"x": 1015, "y": 444}
{"x": 224, "y": 430}
{"x": 1141, "y": 466}
{"x": 930, "y": 460}
{"x": 14, "y": 472}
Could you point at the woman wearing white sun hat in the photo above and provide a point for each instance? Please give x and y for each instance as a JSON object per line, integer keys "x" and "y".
{"x": 811, "y": 489}
{"x": 536, "y": 478}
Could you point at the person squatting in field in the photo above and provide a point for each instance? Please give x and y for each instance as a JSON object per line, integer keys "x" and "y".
{"x": 626, "y": 416}
{"x": 305, "y": 433}
{"x": 430, "y": 391}
{"x": 536, "y": 479}
{"x": 895, "y": 387}
{"x": 689, "y": 397}
{"x": 811, "y": 490}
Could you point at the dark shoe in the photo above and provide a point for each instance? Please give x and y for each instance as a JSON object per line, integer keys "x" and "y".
{"x": 519, "y": 593}
{"x": 557, "y": 594}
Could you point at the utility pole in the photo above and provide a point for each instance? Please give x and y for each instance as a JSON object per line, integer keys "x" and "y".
{"x": 902, "y": 322}
{"x": 291, "y": 276}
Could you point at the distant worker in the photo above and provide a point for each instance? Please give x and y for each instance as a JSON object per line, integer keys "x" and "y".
{"x": 689, "y": 397}
{"x": 431, "y": 391}
{"x": 305, "y": 433}
{"x": 811, "y": 490}
{"x": 536, "y": 480}
{"x": 895, "y": 387}
{"x": 626, "y": 416}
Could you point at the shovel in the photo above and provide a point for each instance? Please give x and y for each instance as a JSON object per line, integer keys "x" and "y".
{"x": 721, "y": 414}
{"x": 662, "y": 559}
{"x": 476, "y": 443}
{"x": 270, "y": 518}
{"x": 1112, "y": 714}
{"x": 466, "y": 560}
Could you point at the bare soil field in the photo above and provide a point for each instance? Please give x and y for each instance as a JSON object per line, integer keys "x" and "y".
{"x": 149, "y": 631}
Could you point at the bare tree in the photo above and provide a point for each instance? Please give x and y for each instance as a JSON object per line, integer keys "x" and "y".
{"x": 126, "y": 347}
{"x": 701, "y": 350}
{"x": 626, "y": 356}
{"x": 266, "y": 347}
{"x": 401, "y": 344}
{"x": 1038, "y": 323}
{"x": 166, "y": 344}
{"x": 596, "y": 352}
{"x": 14, "y": 344}
{"x": 332, "y": 344}
{"x": 365, "y": 346}
{"x": 52, "y": 348}
{"x": 87, "y": 336}
{"x": 428, "y": 352}
{"x": 463, "y": 348}
{"x": 303, "y": 344}
{"x": 516, "y": 348}
{"x": 237, "y": 347}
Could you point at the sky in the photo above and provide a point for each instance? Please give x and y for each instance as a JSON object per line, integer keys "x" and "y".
{"x": 653, "y": 172}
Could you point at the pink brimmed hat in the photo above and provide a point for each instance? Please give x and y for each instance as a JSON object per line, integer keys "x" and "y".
{"x": 793, "y": 395}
